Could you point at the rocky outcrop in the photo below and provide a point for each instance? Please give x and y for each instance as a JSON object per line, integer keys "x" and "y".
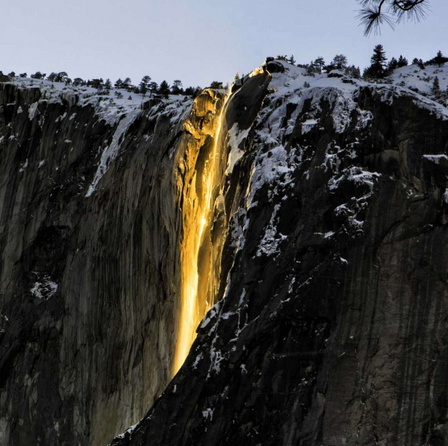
{"x": 330, "y": 326}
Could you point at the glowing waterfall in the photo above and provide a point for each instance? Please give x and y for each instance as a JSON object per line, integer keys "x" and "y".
{"x": 190, "y": 314}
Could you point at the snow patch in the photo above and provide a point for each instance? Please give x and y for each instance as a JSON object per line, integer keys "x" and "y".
{"x": 271, "y": 240}
{"x": 208, "y": 414}
{"x": 236, "y": 138}
{"x": 436, "y": 158}
{"x": 111, "y": 152}
{"x": 128, "y": 431}
{"x": 308, "y": 125}
{"x": 45, "y": 288}
{"x": 32, "y": 110}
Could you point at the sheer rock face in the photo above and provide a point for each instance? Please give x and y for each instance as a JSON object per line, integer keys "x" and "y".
{"x": 89, "y": 285}
{"x": 331, "y": 323}
{"x": 327, "y": 250}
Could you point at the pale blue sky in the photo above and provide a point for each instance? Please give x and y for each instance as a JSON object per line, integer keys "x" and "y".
{"x": 197, "y": 41}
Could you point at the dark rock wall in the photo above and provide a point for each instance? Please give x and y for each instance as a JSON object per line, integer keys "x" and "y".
{"x": 89, "y": 285}
{"x": 326, "y": 254}
{"x": 333, "y": 326}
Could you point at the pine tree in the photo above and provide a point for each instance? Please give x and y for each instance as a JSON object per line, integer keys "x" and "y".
{"x": 127, "y": 84}
{"x": 392, "y": 65}
{"x": 108, "y": 84}
{"x": 353, "y": 71}
{"x": 419, "y": 63}
{"x": 119, "y": 83}
{"x": 144, "y": 84}
{"x": 436, "y": 87}
{"x": 61, "y": 76}
{"x": 97, "y": 83}
{"x": 402, "y": 62}
{"x": 312, "y": 69}
{"x": 339, "y": 62}
{"x": 153, "y": 87}
{"x": 318, "y": 64}
{"x": 164, "y": 89}
{"x": 377, "y": 69}
{"x": 198, "y": 90}
{"x": 439, "y": 59}
{"x": 177, "y": 87}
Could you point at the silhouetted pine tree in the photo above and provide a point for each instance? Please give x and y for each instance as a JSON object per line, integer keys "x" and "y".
{"x": 377, "y": 69}
{"x": 439, "y": 59}
{"x": 153, "y": 87}
{"x": 164, "y": 88}
{"x": 392, "y": 65}
{"x": 339, "y": 62}
{"x": 177, "y": 87}
{"x": 402, "y": 62}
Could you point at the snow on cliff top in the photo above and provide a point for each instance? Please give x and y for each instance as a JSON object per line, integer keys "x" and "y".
{"x": 414, "y": 78}
{"x": 115, "y": 111}
{"x": 405, "y": 81}
{"x": 108, "y": 106}
{"x": 275, "y": 161}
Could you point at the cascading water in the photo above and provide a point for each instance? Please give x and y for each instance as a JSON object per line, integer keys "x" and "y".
{"x": 194, "y": 297}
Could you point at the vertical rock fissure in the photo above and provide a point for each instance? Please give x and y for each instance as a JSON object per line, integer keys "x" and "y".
{"x": 196, "y": 244}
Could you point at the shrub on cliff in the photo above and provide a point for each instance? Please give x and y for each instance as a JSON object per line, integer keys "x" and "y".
{"x": 216, "y": 84}
{"x": 38, "y": 75}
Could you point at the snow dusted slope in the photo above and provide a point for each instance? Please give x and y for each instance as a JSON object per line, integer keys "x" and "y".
{"x": 421, "y": 80}
{"x": 330, "y": 326}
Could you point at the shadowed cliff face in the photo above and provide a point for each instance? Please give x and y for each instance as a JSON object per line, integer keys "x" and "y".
{"x": 331, "y": 322}
{"x": 90, "y": 266}
{"x": 323, "y": 250}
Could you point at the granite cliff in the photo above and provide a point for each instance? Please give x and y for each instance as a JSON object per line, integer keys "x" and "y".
{"x": 316, "y": 210}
